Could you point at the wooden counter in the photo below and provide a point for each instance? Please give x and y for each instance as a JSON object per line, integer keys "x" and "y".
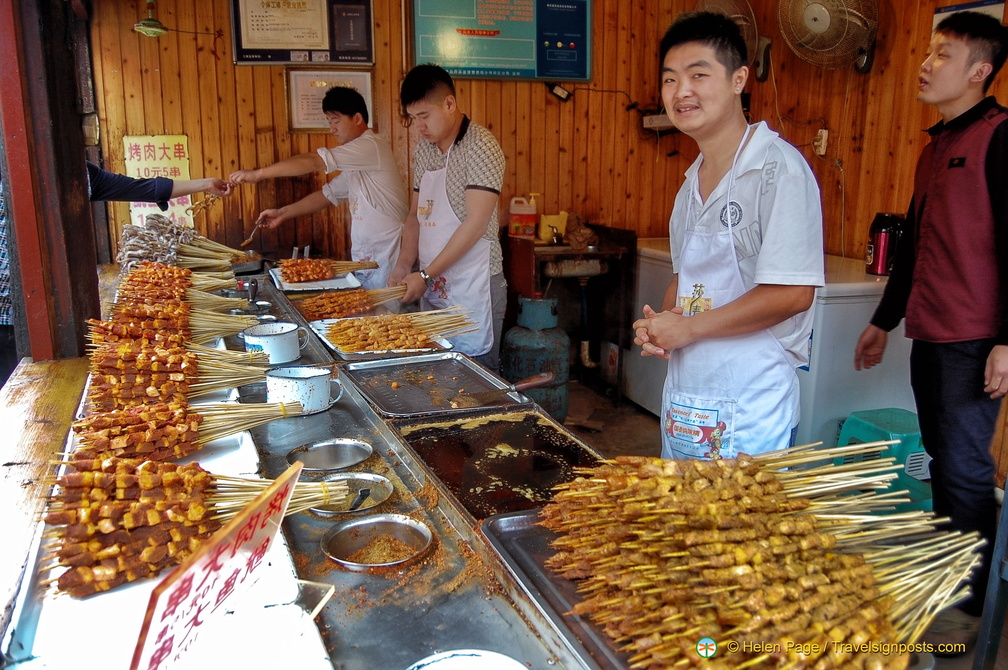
{"x": 37, "y": 404}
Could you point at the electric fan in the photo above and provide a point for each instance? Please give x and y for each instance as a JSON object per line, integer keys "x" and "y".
{"x": 739, "y": 11}
{"x": 830, "y": 33}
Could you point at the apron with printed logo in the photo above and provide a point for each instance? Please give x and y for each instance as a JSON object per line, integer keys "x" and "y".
{"x": 728, "y": 394}
{"x": 374, "y": 237}
{"x": 465, "y": 283}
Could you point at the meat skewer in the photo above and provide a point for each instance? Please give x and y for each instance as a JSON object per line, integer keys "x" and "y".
{"x": 106, "y": 534}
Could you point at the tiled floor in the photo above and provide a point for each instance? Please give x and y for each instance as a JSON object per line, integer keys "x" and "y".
{"x": 621, "y": 428}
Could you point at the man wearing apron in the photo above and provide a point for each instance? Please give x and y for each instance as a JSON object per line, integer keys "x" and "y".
{"x": 746, "y": 241}
{"x": 451, "y": 231}
{"x": 367, "y": 177}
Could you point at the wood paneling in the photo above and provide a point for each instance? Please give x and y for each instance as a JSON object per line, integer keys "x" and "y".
{"x": 589, "y": 155}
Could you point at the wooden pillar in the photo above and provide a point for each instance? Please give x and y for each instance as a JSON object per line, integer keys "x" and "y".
{"x": 55, "y": 282}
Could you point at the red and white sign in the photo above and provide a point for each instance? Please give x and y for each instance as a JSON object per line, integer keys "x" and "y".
{"x": 193, "y": 593}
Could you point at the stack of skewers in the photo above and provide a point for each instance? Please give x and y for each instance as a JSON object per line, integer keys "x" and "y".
{"x": 341, "y": 304}
{"x": 298, "y": 270}
{"x": 116, "y": 520}
{"x": 164, "y": 241}
{"x": 145, "y": 370}
{"x": 775, "y": 551}
{"x": 397, "y": 331}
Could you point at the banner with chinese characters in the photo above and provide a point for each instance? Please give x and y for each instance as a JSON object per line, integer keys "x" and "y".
{"x": 193, "y": 594}
{"x": 159, "y": 156}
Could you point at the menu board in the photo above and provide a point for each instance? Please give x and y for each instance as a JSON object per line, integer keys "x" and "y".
{"x": 302, "y": 31}
{"x": 527, "y": 39}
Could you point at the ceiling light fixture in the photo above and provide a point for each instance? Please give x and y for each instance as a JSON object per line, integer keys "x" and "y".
{"x": 150, "y": 26}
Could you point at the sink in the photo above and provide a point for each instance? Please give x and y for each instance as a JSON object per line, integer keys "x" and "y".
{"x": 575, "y": 267}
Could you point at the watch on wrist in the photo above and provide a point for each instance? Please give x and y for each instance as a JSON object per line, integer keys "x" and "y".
{"x": 427, "y": 280}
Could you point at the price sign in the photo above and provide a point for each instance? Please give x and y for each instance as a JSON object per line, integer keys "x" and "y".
{"x": 193, "y": 594}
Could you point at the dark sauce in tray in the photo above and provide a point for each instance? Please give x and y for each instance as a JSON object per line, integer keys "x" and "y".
{"x": 496, "y": 465}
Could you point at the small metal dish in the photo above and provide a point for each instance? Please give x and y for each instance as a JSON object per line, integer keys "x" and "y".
{"x": 329, "y": 455}
{"x": 352, "y": 539}
{"x": 380, "y": 487}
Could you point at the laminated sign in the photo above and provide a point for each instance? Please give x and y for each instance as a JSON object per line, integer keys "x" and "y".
{"x": 193, "y": 594}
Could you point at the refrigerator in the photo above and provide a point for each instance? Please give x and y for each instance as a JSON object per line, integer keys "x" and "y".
{"x": 830, "y": 387}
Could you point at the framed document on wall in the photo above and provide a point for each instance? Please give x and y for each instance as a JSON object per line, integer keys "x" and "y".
{"x": 305, "y": 31}
{"x": 307, "y": 86}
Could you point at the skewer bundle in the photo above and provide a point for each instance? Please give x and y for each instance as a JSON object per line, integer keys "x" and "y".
{"x": 196, "y": 325}
{"x": 165, "y": 431}
{"x": 397, "y": 331}
{"x": 135, "y": 372}
{"x": 753, "y": 550}
{"x": 149, "y": 278}
{"x": 119, "y": 520}
{"x": 171, "y": 243}
{"x": 340, "y": 304}
{"x": 296, "y": 270}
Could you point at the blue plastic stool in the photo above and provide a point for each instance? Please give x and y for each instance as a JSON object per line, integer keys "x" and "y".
{"x": 893, "y": 424}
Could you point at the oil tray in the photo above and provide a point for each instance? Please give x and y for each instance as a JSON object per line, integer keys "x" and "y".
{"x": 495, "y": 462}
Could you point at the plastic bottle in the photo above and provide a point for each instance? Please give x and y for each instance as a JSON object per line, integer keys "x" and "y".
{"x": 522, "y": 218}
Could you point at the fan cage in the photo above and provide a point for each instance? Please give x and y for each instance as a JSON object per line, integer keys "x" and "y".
{"x": 844, "y": 30}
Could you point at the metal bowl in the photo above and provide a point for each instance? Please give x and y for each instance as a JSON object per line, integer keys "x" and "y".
{"x": 329, "y": 455}
{"x": 341, "y": 542}
{"x": 380, "y": 487}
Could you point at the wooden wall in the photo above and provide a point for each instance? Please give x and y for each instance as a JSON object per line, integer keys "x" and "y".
{"x": 588, "y": 155}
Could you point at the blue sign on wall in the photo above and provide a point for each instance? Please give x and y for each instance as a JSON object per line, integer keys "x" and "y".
{"x": 528, "y": 39}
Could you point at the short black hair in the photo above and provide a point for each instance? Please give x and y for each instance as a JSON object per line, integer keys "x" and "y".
{"x": 423, "y": 80}
{"x": 345, "y": 100}
{"x": 711, "y": 28}
{"x": 986, "y": 37}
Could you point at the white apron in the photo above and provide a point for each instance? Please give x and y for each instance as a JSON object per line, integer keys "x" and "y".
{"x": 467, "y": 282}
{"x": 374, "y": 237}
{"x": 727, "y": 394}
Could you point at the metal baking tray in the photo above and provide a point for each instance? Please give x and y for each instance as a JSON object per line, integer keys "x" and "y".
{"x": 524, "y": 547}
{"x": 251, "y": 264}
{"x": 319, "y": 327}
{"x": 341, "y": 282}
{"x": 424, "y": 384}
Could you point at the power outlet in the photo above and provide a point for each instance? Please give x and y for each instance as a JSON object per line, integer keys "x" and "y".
{"x": 819, "y": 143}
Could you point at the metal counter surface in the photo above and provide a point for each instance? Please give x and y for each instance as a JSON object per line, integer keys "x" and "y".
{"x": 314, "y": 353}
{"x": 459, "y": 595}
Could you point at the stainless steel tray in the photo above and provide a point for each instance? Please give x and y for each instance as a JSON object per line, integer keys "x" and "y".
{"x": 320, "y": 327}
{"x": 425, "y": 384}
{"x": 524, "y": 548}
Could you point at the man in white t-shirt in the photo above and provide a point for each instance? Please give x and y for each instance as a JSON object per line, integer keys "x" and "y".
{"x": 366, "y": 176}
{"x": 746, "y": 241}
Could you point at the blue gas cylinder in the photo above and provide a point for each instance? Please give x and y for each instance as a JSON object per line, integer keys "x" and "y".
{"x": 537, "y": 345}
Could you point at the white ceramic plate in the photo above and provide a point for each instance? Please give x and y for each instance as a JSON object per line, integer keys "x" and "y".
{"x": 467, "y": 659}
{"x": 341, "y": 282}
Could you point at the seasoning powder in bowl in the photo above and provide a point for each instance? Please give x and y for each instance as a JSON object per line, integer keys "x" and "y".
{"x": 375, "y": 542}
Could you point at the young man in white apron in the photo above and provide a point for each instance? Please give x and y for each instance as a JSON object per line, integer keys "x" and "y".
{"x": 451, "y": 231}
{"x": 367, "y": 177}
{"x": 746, "y": 241}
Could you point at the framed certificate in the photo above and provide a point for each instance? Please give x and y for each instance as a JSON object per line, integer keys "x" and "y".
{"x": 307, "y": 86}
{"x": 306, "y": 31}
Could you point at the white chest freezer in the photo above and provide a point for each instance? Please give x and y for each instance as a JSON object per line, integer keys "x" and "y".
{"x": 830, "y": 387}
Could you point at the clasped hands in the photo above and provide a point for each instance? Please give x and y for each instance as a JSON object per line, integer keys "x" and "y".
{"x": 660, "y": 333}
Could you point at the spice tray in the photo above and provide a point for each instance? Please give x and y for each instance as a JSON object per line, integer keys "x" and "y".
{"x": 524, "y": 547}
{"x": 424, "y": 384}
{"x": 341, "y": 282}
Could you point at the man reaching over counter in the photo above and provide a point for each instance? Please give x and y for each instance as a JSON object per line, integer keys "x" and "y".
{"x": 366, "y": 176}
